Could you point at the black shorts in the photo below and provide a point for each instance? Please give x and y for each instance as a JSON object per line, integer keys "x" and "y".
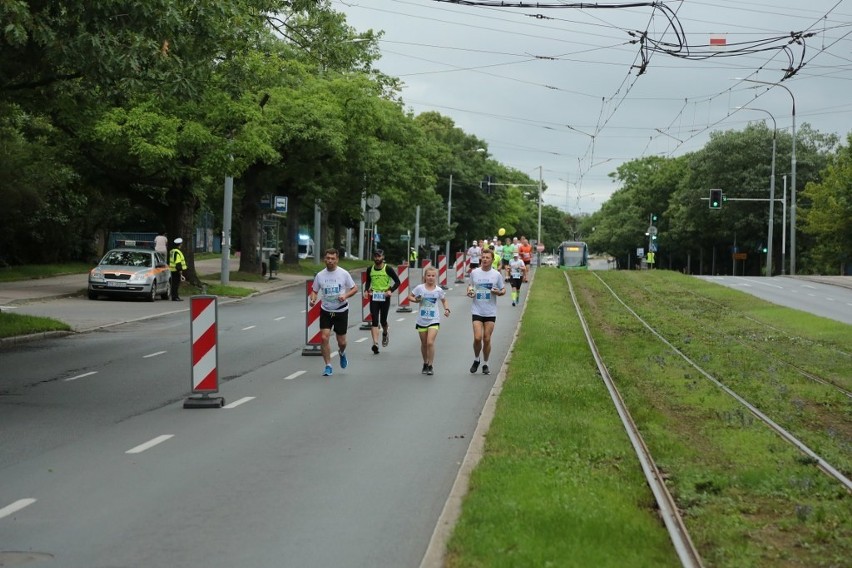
{"x": 504, "y": 262}
{"x": 515, "y": 282}
{"x": 474, "y": 265}
{"x": 484, "y": 319}
{"x": 338, "y": 321}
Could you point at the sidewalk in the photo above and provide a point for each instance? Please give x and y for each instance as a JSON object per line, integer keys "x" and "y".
{"x": 26, "y": 291}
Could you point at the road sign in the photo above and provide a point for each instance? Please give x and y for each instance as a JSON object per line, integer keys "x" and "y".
{"x": 374, "y": 200}
{"x": 640, "y": 252}
{"x": 740, "y": 255}
{"x": 653, "y": 247}
{"x": 373, "y": 215}
{"x": 539, "y": 248}
{"x": 404, "y": 237}
{"x": 652, "y": 230}
{"x": 280, "y": 203}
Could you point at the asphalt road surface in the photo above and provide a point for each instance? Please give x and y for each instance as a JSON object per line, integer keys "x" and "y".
{"x": 101, "y": 466}
{"x": 833, "y": 302}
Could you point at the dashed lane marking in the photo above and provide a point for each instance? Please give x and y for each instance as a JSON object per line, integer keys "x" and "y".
{"x": 149, "y": 444}
{"x": 237, "y": 403}
{"x": 81, "y": 376}
{"x": 294, "y": 375}
{"x": 153, "y": 354}
{"x": 15, "y": 507}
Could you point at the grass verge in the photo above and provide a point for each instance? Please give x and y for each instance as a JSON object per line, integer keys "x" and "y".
{"x": 14, "y": 325}
{"x": 558, "y": 484}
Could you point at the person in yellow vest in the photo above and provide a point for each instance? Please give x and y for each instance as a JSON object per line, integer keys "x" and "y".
{"x": 650, "y": 259}
{"x": 382, "y": 282}
{"x": 177, "y": 264}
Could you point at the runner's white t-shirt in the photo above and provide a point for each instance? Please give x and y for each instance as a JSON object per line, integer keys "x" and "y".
{"x": 331, "y": 285}
{"x": 429, "y": 312}
{"x": 484, "y": 299}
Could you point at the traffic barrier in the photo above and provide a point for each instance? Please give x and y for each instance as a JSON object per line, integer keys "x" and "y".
{"x": 402, "y": 272}
{"x": 442, "y": 271}
{"x": 204, "y": 314}
{"x": 313, "y": 335}
{"x": 366, "y": 316}
{"x": 460, "y": 267}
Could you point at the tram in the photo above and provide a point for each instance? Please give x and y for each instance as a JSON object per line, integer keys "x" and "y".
{"x": 573, "y": 255}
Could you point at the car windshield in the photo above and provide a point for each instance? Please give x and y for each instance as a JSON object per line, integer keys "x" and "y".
{"x": 128, "y": 258}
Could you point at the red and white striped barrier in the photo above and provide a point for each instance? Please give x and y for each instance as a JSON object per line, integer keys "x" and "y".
{"x": 203, "y": 313}
{"x": 366, "y": 316}
{"x": 460, "y": 266}
{"x": 442, "y": 271}
{"x": 404, "y": 305}
{"x": 313, "y": 335}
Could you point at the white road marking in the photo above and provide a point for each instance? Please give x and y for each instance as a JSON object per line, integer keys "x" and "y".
{"x": 81, "y": 376}
{"x": 248, "y": 328}
{"x": 149, "y": 444}
{"x": 154, "y": 354}
{"x": 294, "y": 375}
{"x": 829, "y": 299}
{"x": 400, "y": 319}
{"x": 808, "y": 286}
{"x": 281, "y": 318}
{"x": 15, "y": 507}
{"x": 761, "y": 282}
{"x": 236, "y": 403}
{"x": 303, "y": 311}
{"x": 360, "y": 340}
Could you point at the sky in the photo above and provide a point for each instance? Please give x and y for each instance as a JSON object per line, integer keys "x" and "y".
{"x": 570, "y": 93}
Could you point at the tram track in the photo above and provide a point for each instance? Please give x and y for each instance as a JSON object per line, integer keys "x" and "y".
{"x": 667, "y": 505}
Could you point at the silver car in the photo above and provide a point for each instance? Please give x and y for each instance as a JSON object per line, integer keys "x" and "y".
{"x": 131, "y": 272}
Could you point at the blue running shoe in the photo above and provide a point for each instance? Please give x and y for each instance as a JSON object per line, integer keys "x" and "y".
{"x": 328, "y": 371}
{"x": 344, "y": 362}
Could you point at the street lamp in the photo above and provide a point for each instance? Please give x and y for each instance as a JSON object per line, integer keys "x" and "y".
{"x": 771, "y": 192}
{"x": 450, "y": 206}
{"x": 793, "y": 178}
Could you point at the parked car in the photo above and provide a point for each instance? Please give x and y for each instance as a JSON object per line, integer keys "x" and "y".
{"x": 131, "y": 272}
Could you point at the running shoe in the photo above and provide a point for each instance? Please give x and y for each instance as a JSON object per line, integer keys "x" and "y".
{"x": 385, "y": 339}
{"x": 344, "y": 362}
{"x": 513, "y": 303}
{"x": 429, "y": 370}
{"x": 328, "y": 371}
{"x": 424, "y": 369}
{"x": 474, "y": 367}
{"x": 375, "y": 349}
{"x": 485, "y": 370}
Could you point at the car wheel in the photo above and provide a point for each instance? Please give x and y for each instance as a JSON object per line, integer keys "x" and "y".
{"x": 93, "y": 295}
{"x": 153, "y": 295}
{"x": 167, "y": 294}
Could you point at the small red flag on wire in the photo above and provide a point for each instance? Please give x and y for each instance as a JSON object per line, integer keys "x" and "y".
{"x": 718, "y": 41}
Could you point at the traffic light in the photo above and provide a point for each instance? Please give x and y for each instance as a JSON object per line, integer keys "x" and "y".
{"x": 715, "y": 199}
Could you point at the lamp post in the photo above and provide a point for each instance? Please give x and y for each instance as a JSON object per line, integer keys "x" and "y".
{"x": 771, "y": 193}
{"x": 792, "y": 179}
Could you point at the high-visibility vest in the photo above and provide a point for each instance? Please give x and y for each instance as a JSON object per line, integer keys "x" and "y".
{"x": 176, "y": 257}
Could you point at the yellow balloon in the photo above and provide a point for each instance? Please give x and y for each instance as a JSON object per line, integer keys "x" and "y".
{"x": 501, "y": 232}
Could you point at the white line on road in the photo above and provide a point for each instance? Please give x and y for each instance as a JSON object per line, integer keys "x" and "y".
{"x": 294, "y": 375}
{"x": 400, "y": 319}
{"x": 829, "y": 299}
{"x": 149, "y": 444}
{"x": 81, "y": 376}
{"x": 154, "y": 354}
{"x": 15, "y": 507}
{"x": 808, "y": 286}
{"x": 236, "y": 403}
{"x": 761, "y": 282}
{"x": 281, "y": 318}
{"x": 360, "y": 340}
{"x": 248, "y": 328}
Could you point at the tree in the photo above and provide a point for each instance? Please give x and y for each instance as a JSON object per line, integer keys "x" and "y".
{"x": 828, "y": 218}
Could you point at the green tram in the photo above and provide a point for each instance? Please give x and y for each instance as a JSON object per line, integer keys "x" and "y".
{"x": 573, "y": 255}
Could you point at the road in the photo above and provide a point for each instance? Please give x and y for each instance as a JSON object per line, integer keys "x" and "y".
{"x": 101, "y": 465}
{"x": 829, "y": 301}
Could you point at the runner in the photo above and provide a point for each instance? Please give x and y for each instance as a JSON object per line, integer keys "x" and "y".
{"x": 517, "y": 273}
{"x": 506, "y": 253}
{"x": 526, "y": 250}
{"x": 336, "y": 286}
{"x": 473, "y": 253}
{"x": 485, "y": 285}
{"x": 428, "y": 321}
{"x": 382, "y": 282}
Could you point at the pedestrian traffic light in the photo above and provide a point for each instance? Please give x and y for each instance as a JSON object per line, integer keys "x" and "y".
{"x": 715, "y": 199}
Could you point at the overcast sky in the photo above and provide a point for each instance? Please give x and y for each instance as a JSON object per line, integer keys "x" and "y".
{"x": 560, "y": 88}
